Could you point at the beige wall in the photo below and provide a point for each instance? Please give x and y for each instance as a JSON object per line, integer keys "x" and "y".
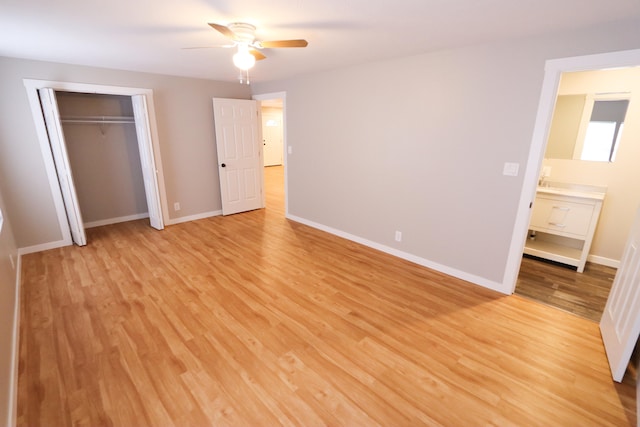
{"x": 273, "y": 136}
{"x": 104, "y": 158}
{"x": 622, "y": 176}
{"x": 567, "y": 114}
{"x": 8, "y": 281}
{"x": 418, "y": 145}
{"x": 185, "y": 128}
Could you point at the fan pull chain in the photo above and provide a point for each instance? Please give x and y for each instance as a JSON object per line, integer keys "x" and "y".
{"x": 243, "y": 79}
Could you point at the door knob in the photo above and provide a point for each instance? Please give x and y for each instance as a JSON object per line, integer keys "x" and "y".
{"x": 223, "y": 165}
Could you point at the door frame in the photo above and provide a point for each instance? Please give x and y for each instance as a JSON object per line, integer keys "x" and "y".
{"x": 285, "y": 145}
{"x": 553, "y": 71}
{"x": 32, "y": 86}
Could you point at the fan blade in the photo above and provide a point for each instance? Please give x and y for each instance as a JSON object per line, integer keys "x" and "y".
{"x": 223, "y": 30}
{"x": 284, "y": 43}
{"x": 257, "y": 54}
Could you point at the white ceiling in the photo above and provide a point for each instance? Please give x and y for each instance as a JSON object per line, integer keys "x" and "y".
{"x": 149, "y": 35}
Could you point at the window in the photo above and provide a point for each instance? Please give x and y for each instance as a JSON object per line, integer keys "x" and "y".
{"x": 604, "y": 129}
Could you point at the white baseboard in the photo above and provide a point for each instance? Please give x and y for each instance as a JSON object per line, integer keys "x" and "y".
{"x": 477, "y": 280}
{"x": 15, "y": 339}
{"x": 117, "y": 220}
{"x": 614, "y": 263}
{"x": 44, "y": 246}
{"x": 193, "y": 217}
{"x": 65, "y": 242}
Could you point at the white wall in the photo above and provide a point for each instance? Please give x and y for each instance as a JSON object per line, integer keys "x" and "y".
{"x": 622, "y": 176}
{"x": 418, "y": 145}
{"x": 185, "y": 130}
{"x": 8, "y": 293}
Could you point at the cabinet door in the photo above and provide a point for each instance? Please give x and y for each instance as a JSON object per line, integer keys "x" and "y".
{"x": 562, "y": 217}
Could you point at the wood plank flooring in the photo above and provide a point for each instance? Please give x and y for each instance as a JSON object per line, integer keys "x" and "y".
{"x": 583, "y": 294}
{"x": 254, "y": 320}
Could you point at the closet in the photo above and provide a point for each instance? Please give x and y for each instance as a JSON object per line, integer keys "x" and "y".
{"x": 102, "y": 146}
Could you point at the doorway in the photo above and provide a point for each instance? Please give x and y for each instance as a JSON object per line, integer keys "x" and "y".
{"x": 585, "y": 293}
{"x": 102, "y": 145}
{"x": 554, "y": 70}
{"x": 273, "y": 107}
{"x": 144, "y": 119}
{"x": 272, "y": 132}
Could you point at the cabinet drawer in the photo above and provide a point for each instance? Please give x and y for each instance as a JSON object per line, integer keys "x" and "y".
{"x": 562, "y": 216}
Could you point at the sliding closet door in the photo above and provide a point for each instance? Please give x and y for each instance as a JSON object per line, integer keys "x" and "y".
{"x": 143, "y": 131}
{"x": 61, "y": 160}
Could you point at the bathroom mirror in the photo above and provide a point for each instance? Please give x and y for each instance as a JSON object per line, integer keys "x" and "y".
{"x": 587, "y": 126}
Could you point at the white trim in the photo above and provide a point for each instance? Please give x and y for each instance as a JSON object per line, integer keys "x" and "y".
{"x": 44, "y": 247}
{"x": 47, "y": 157}
{"x": 613, "y": 263}
{"x": 61, "y": 243}
{"x": 193, "y": 217}
{"x": 117, "y": 220}
{"x": 477, "y": 280}
{"x": 15, "y": 357}
{"x": 285, "y": 155}
{"x": 553, "y": 70}
{"x": 32, "y": 87}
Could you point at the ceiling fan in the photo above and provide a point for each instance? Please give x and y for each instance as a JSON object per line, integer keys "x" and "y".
{"x": 243, "y": 36}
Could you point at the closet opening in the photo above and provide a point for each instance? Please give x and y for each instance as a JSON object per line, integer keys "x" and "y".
{"x": 100, "y": 149}
{"x": 102, "y": 145}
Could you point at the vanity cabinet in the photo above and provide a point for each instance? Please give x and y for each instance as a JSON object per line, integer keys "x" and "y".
{"x": 562, "y": 225}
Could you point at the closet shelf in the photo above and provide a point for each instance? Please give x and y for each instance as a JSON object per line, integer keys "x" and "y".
{"x": 97, "y": 119}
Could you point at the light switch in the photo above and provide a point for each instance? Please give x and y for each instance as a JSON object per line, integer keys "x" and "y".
{"x": 289, "y": 149}
{"x": 511, "y": 169}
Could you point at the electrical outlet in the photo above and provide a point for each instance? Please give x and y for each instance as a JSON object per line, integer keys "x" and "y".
{"x": 176, "y": 206}
{"x": 398, "y": 236}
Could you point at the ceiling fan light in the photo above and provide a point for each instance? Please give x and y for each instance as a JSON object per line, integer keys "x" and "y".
{"x": 243, "y": 59}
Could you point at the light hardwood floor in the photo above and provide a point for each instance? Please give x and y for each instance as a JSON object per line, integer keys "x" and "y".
{"x": 254, "y": 320}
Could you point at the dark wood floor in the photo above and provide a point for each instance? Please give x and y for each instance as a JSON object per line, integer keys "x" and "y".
{"x": 584, "y": 294}
{"x": 255, "y": 320}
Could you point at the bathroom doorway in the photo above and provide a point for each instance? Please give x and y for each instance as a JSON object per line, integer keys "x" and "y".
{"x": 560, "y": 286}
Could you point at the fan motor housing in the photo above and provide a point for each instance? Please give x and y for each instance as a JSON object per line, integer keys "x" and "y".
{"x": 244, "y": 33}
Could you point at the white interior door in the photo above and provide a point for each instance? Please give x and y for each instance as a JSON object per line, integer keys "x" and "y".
{"x": 273, "y": 136}
{"x": 149, "y": 172}
{"x": 239, "y": 146}
{"x": 620, "y": 323}
{"x": 63, "y": 168}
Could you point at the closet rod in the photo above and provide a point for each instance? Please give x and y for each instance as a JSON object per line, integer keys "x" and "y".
{"x": 98, "y": 119}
